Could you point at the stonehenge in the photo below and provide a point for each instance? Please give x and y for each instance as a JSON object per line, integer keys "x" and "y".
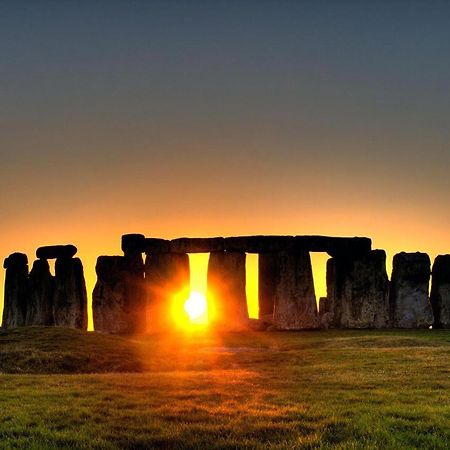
{"x": 38, "y": 297}
{"x": 440, "y": 291}
{"x": 166, "y": 276}
{"x": 16, "y": 290}
{"x": 358, "y": 291}
{"x": 133, "y": 295}
{"x": 294, "y": 300}
{"x": 410, "y": 305}
{"x": 42, "y": 287}
{"x": 226, "y": 289}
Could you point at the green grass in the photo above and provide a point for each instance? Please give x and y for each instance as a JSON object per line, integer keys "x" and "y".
{"x": 333, "y": 389}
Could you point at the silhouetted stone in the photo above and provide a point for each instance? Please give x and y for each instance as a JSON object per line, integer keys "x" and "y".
{"x": 440, "y": 291}
{"x": 226, "y": 290}
{"x": 409, "y": 302}
{"x": 358, "y": 291}
{"x": 70, "y": 299}
{"x": 42, "y": 285}
{"x": 155, "y": 245}
{"x": 132, "y": 244}
{"x": 334, "y": 246}
{"x": 197, "y": 245}
{"x": 56, "y": 251}
{"x": 167, "y": 280}
{"x": 323, "y": 306}
{"x": 16, "y": 290}
{"x": 295, "y": 301}
{"x": 258, "y": 244}
{"x": 114, "y": 305}
{"x": 267, "y": 282}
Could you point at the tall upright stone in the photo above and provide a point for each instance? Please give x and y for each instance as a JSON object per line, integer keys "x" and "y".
{"x": 295, "y": 305}
{"x": 358, "y": 291}
{"x": 167, "y": 280}
{"x": 410, "y": 305}
{"x": 226, "y": 290}
{"x": 440, "y": 291}
{"x": 267, "y": 280}
{"x": 16, "y": 290}
{"x": 70, "y": 299}
{"x": 42, "y": 284}
{"x": 114, "y": 305}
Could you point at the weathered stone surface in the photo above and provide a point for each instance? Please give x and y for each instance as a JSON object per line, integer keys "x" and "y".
{"x": 155, "y": 245}
{"x": 409, "y": 302}
{"x": 197, "y": 245}
{"x": 323, "y": 306}
{"x": 167, "y": 279}
{"x": 70, "y": 299}
{"x": 295, "y": 301}
{"x": 114, "y": 305}
{"x": 267, "y": 282}
{"x": 56, "y": 251}
{"x": 334, "y": 246}
{"x": 16, "y": 290}
{"x": 226, "y": 290}
{"x": 440, "y": 291}
{"x": 42, "y": 284}
{"x": 358, "y": 291}
{"x": 133, "y": 244}
{"x": 258, "y": 244}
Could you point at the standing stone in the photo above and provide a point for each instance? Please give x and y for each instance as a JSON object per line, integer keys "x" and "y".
{"x": 409, "y": 302}
{"x": 226, "y": 290}
{"x": 70, "y": 299}
{"x": 16, "y": 290}
{"x": 267, "y": 276}
{"x": 358, "y": 291}
{"x": 42, "y": 283}
{"x": 112, "y": 308}
{"x": 295, "y": 305}
{"x": 167, "y": 278}
{"x": 323, "y": 305}
{"x": 440, "y": 291}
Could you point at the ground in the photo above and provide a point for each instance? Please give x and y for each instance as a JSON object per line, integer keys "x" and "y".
{"x": 328, "y": 389}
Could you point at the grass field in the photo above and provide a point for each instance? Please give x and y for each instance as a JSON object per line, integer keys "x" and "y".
{"x": 334, "y": 389}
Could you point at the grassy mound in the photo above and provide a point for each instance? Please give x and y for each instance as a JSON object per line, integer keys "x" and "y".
{"x": 62, "y": 350}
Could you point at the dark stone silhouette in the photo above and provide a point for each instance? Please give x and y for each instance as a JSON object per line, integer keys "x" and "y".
{"x": 42, "y": 285}
{"x": 118, "y": 299}
{"x": 323, "y": 306}
{"x": 56, "y": 251}
{"x": 440, "y": 291}
{"x": 267, "y": 279}
{"x": 70, "y": 299}
{"x": 155, "y": 245}
{"x": 16, "y": 290}
{"x": 226, "y": 290}
{"x": 334, "y": 246}
{"x": 409, "y": 303}
{"x": 167, "y": 275}
{"x": 133, "y": 244}
{"x": 258, "y": 244}
{"x": 197, "y": 245}
{"x": 358, "y": 291}
{"x": 295, "y": 301}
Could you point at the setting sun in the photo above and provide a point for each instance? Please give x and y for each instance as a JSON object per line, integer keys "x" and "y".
{"x": 195, "y": 306}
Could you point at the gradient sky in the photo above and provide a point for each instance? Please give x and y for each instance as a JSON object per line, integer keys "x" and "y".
{"x": 223, "y": 118}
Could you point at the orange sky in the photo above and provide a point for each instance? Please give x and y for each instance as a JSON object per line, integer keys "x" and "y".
{"x": 224, "y": 118}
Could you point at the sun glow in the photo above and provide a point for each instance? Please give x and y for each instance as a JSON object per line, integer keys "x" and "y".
{"x": 195, "y": 306}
